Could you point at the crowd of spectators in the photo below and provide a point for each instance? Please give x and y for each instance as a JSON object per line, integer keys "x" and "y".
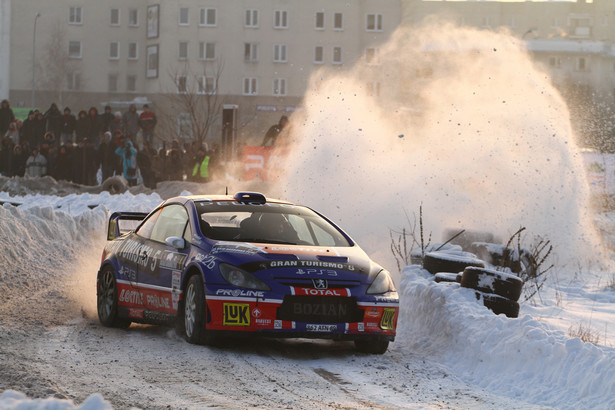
{"x": 76, "y": 149}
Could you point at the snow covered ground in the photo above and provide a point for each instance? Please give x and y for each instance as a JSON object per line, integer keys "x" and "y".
{"x": 450, "y": 352}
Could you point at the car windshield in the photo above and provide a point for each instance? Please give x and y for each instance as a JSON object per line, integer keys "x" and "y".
{"x": 267, "y": 223}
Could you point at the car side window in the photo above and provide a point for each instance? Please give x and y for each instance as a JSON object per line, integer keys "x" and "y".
{"x": 171, "y": 222}
{"x": 145, "y": 230}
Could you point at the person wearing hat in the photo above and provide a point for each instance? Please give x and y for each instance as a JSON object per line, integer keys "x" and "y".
{"x": 274, "y": 131}
{"x": 147, "y": 122}
{"x": 106, "y": 155}
{"x": 6, "y": 117}
{"x": 130, "y": 120}
{"x": 105, "y": 119}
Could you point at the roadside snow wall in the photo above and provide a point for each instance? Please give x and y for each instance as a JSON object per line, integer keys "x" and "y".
{"x": 532, "y": 362}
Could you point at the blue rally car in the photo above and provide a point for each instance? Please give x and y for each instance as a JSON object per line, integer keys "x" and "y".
{"x": 244, "y": 265}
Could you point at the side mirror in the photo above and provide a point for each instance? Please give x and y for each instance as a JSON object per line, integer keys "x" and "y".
{"x": 176, "y": 242}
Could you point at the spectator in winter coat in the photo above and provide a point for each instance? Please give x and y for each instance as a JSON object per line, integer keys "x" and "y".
{"x": 6, "y": 151}
{"x": 200, "y": 166}
{"x": 53, "y": 119}
{"x": 68, "y": 127}
{"x": 275, "y": 130}
{"x": 17, "y": 165}
{"x": 147, "y": 122}
{"x": 95, "y": 126}
{"x": 175, "y": 162}
{"x": 129, "y": 162}
{"x": 63, "y": 164}
{"x": 26, "y": 134}
{"x": 105, "y": 119}
{"x": 145, "y": 164}
{"x": 131, "y": 122}
{"x": 82, "y": 126}
{"x": 106, "y": 155}
{"x": 40, "y": 127}
{"x": 13, "y": 132}
{"x": 116, "y": 124}
{"x": 6, "y": 117}
{"x": 36, "y": 165}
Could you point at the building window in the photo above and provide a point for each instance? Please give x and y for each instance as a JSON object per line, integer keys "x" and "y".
{"x": 114, "y": 18}
{"x": 486, "y": 21}
{"x": 373, "y": 89}
{"x": 208, "y": 18}
{"x": 133, "y": 51}
{"x": 337, "y": 55}
{"x": 112, "y": 83}
{"x": 183, "y": 16}
{"x": 131, "y": 83}
{"x": 183, "y": 50}
{"x": 555, "y": 22}
{"x": 250, "y": 52}
{"x": 280, "y": 19}
{"x": 114, "y": 50}
{"x": 133, "y": 17}
{"x": 338, "y": 21}
{"x": 73, "y": 81}
{"x": 207, "y": 51}
{"x": 250, "y": 86}
{"x": 555, "y": 62}
{"x": 582, "y": 64}
{"x": 372, "y": 56}
{"x": 74, "y": 49}
{"x": 319, "y": 20}
{"x": 207, "y": 85}
{"x": 319, "y": 55}
{"x": 182, "y": 84}
{"x": 374, "y": 22}
{"x": 75, "y": 15}
{"x": 279, "y": 87}
{"x": 251, "y": 19}
{"x": 279, "y": 53}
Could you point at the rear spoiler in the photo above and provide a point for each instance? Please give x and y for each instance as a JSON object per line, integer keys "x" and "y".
{"x": 115, "y": 229}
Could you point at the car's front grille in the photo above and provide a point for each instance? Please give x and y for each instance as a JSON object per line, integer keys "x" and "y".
{"x": 320, "y": 309}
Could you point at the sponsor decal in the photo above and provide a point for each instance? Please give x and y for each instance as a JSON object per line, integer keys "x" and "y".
{"x": 301, "y": 250}
{"x": 371, "y": 324}
{"x": 320, "y": 283}
{"x": 320, "y": 272}
{"x": 312, "y": 264}
{"x": 172, "y": 260}
{"x": 209, "y": 261}
{"x": 373, "y": 314}
{"x": 323, "y": 309}
{"x": 256, "y": 313}
{"x": 236, "y": 314}
{"x": 135, "y": 313}
{"x": 361, "y": 327}
{"x": 320, "y": 292}
{"x": 386, "y": 300}
{"x": 176, "y": 282}
{"x": 277, "y": 324}
{"x": 232, "y": 248}
{"x": 263, "y": 322}
{"x": 387, "y": 319}
{"x": 320, "y": 328}
{"x": 132, "y": 297}
{"x": 157, "y": 302}
{"x": 128, "y": 273}
{"x": 240, "y": 293}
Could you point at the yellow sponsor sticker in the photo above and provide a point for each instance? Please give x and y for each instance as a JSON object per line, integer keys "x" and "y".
{"x": 388, "y": 316}
{"x": 236, "y": 314}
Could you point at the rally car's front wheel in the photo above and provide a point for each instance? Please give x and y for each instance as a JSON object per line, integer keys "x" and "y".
{"x": 107, "y": 300}
{"x": 195, "y": 312}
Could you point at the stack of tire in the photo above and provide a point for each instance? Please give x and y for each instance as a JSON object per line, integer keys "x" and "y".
{"x": 498, "y": 290}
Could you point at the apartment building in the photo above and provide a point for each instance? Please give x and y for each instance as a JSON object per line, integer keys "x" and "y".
{"x": 254, "y": 55}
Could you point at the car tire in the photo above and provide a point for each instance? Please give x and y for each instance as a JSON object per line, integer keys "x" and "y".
{"x": 485, "y": 280}
{"x": 194, "y": 313}
{"x": 372, "y": 346}
{"x": 107, "y": 300}
{"x": 446, "y": 277}
{"x": 435, "y": 262}
{"x": 499, "y": 304}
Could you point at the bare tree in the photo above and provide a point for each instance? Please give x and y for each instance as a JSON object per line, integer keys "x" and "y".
{"x": 56, "y": 67}
{"x": 195, "y": 99}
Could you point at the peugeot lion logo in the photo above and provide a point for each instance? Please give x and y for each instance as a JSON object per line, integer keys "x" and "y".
{"x": 320, "y": 283}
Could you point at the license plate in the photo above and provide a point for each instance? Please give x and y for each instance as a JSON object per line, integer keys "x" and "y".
{"x": 321, "y": 328}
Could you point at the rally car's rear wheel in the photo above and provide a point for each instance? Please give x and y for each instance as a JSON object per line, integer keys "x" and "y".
{"x": 195, "y": 312}
{"x": 373, "y": 346}
{"x": 107, "y": 300}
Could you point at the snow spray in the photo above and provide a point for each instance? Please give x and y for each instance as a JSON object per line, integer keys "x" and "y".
{"x": 458, "y": 120}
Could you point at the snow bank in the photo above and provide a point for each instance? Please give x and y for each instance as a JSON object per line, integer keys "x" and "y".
{"x": 12, "y": 400}
{"x": 520, "y": 358}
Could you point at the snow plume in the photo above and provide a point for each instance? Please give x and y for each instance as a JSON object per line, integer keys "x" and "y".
{"x": 49, "y": 257}
{"x": 465, "y": 124}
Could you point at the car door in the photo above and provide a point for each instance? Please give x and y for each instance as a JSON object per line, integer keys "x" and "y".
{"x": 161, "y": 264}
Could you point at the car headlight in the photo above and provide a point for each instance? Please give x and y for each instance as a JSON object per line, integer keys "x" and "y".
{"x": 241, "y": 278}
{"x": 382, "y": 284}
